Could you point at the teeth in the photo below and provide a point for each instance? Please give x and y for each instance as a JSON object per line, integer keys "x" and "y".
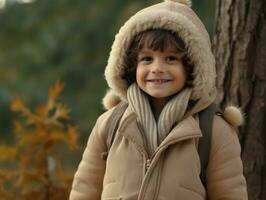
{"x": 159, "y": 80}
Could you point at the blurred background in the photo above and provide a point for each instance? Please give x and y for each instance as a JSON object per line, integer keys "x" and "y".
{"x": 44, "y": 41}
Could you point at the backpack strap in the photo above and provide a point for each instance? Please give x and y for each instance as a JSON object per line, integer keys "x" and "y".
{"x": 206, "y": 123}
{"x": 112, "y": 125}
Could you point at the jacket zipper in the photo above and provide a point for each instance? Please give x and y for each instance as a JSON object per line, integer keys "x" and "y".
{"x": 147, "y": 158}
{"x": 149, "y": 162}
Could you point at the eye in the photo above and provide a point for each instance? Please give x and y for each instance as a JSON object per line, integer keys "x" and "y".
{"x": 171, "y": 58}
{"x": 145, "y": 59}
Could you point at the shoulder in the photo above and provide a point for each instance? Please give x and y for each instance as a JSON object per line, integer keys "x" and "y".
{"x": 225, "y": 125}
{"x": 226, "y": 122}
{"x": 223, "y": 134}
{"x": 104, "y": 117}
{"x": 98, "y": 135}
{"x": 109, "y": 118}
{"x": 221, "y": 125}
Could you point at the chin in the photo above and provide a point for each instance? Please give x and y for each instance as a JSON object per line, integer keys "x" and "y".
{"x": 163, "y": 96}
{"x": 158, "y": 96}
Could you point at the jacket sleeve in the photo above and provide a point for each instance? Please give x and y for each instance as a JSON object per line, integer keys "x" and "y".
{"x": 225, "y": 179}
{"x": 88, "y": 179}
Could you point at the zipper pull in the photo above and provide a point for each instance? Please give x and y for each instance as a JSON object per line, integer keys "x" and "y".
{"x": 148, "y": 163}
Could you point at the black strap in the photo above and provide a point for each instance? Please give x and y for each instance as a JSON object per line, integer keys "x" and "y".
{"x": 112, "y": 125}
{"x": 206, "y": 123}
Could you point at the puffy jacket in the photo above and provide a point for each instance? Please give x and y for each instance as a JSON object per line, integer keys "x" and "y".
{"x": 171, "y": 173}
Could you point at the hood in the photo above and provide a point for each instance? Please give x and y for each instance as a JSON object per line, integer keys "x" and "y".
{"x": 177, "y": 16}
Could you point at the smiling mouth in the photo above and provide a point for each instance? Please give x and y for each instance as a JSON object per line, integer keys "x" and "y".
{"x": 158, "y": 80}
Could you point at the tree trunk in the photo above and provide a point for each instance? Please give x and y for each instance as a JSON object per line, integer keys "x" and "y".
{"x": 240, "y": 49}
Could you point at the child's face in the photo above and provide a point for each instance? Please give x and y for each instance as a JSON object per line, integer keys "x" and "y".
{"x": 160, "y": 74}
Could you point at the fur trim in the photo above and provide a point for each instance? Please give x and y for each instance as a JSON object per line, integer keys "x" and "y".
{"x": 186, "y": 2}
{"x": 110, "y": 100}
{"x": 180, "y": 19}
{"x": 233, "y": 115}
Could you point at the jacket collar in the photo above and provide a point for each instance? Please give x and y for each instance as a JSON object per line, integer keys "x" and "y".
{"x": 185, "y": 129}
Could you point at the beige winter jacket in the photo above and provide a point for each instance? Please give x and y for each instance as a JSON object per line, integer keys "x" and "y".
{"x": 173, "y": 171}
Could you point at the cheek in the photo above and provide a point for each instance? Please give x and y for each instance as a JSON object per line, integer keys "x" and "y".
{"x": 182, "y": 74}
{"x": 140, "y": 75}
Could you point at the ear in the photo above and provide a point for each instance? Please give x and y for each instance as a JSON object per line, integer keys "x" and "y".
{"x": 110, "y": 100}
{"x": 233, "y": 115}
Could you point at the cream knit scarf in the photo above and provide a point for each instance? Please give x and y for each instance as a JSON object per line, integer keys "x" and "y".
{"x": 172, "y": 113}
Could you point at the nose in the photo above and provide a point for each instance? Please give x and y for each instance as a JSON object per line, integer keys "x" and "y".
{"x": 157, "y": 66}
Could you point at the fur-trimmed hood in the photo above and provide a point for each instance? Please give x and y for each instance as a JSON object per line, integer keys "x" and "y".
{"x": 174, "y": 15}
{"x": 177, "y": 16}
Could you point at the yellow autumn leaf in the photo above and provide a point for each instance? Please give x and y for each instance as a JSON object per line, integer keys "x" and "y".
{"x": 41, "y": 111}
{"x": 62, "y": 175}
{"x": 73, "y": 137}
{"x": 62, "y": 112}
{"x": 33, "y": 138}
{"x": 55, "y": 90}
{"x": 31, "y": 120}
{"x": 17, "y": 105}
{"x": 56, "y": 136}
{"x": 18, "y": 127}
{"x": 6, "y": 174}
{"x": 26, "y": 177}
{"x": 59, "y": 192}
{"x": 5, "y": 194}
{"x": 52, "y": 122}
{"x": 50, "y": 104}
{"x": 7, "y": 153}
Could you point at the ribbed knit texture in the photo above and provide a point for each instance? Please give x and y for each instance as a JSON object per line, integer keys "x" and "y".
{"x": 172, "y": 113}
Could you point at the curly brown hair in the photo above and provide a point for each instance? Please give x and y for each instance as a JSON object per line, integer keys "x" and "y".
{"x": 156, "y": 39}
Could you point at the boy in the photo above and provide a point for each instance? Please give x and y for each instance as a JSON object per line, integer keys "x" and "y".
{"x": 161, "y": 64}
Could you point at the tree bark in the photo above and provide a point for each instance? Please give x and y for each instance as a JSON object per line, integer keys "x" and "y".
{"x": 239, "y": 46}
